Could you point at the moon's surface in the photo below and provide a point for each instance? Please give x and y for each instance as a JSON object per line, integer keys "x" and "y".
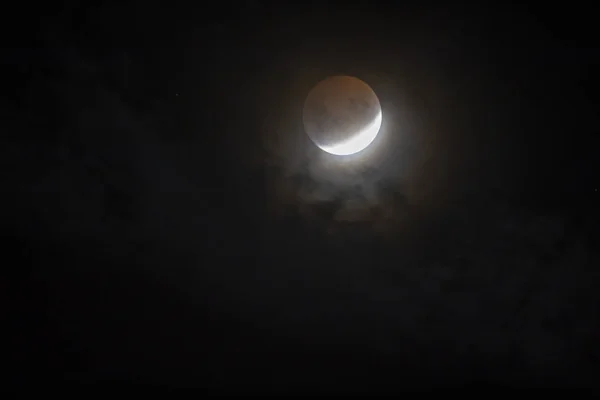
{"x": 342, "y": 115}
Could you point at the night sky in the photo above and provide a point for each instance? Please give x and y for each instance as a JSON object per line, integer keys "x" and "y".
{"x": 168, "y": 222}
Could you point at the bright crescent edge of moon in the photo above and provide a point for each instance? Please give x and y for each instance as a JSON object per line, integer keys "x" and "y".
{"x": 357, "y": 143}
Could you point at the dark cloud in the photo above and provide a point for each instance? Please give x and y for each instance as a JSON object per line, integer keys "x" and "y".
{"x": 175, "y": 224}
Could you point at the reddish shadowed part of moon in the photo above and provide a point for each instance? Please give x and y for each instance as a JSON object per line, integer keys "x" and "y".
{"x": 342, "y": 115}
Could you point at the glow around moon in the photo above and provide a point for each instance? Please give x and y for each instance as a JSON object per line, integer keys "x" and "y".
{"x": 342, "y": 115}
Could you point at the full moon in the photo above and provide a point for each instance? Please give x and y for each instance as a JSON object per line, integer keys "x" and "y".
{"x": 342, "y": 115}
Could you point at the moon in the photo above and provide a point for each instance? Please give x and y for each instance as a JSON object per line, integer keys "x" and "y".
{"x": 342, "y": 115}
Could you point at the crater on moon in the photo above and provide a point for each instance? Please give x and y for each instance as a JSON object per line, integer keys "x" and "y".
{"x": 342, "y": 115}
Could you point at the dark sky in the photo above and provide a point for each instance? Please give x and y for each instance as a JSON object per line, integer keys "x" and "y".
{"x": 169, "y": 223}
